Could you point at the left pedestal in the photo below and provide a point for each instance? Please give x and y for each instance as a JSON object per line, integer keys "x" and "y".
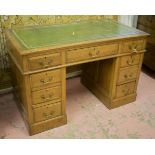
{"x": 41, "y": 98}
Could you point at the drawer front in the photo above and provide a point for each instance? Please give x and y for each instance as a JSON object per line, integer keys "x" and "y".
{"x": 44, "y": 78}
{"x": 46, "y": 94}
{"x": 125, "y": 89}
{"x": 130, "y": 60}
{"x": 47, "y": 112}
{"x": 106, "y": 50}
{"x": 126, "y": 74}
{"x": 132, "y": 46}
{"x": 44, "y": 61}
{"x": 91, "y": 53}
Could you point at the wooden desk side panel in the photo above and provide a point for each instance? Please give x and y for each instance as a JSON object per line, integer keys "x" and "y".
{"x": 22, "y": 93}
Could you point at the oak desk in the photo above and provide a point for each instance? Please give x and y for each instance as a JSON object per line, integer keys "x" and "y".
{"x": 111, "y": 55}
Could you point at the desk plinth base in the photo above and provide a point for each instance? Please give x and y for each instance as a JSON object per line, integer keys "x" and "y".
{"x": 47, "y": 125}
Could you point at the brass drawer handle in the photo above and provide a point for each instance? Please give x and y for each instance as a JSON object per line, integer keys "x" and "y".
{"x": 126, "y": 91}
{"x": 113, "y": 52}
{"x": 48, "y": 115}
{"x": 50, "y": 78}
{"x": 43, "y": 97}
{"x": 41, "y": 63}
{"x": 90, "y": 54}
{"x": 129, "y": 62}
{"x": 42, "y": 81}
{"x": 44, "y": 114}
{"x": 50, "y": 61}
{"x": 134, "y": 51}
{"x": 52, "y": 112}
{"x": 97, "y": 53}
{"x": 133, "y": 59}
{"x": 126, "y": 76}
{"x": 50, "y": 95}
{"x": 94, "y": 55}
{"x": 133, "y": 48}
{"x": 47, "y": 98}
{"x": 44, "y": 65}
{"x": 46, "y": 82}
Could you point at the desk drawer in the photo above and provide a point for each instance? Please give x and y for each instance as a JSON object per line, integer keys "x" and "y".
{"x": 46, "y": 94}
{"x": 44, "y": 78}
{"x": 132, "y": 46}
{"x": 91, "y": 53}
{"x": 47, "y": 112}
{"x": 130, "y": 60}
{"x": 125, "y": 89}
{"x": 126, "y": 74}
{"x": 44, "y": 61}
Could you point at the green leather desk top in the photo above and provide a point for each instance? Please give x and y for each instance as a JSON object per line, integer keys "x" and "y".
{"x": 42, "y": 36}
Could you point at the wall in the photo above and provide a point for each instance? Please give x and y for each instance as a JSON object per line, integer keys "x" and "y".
{"x": 10, "y": 21}
{"x": 129, "y": 20}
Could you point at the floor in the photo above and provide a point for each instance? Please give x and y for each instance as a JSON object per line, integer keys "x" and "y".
{"x": 88, "y": 117}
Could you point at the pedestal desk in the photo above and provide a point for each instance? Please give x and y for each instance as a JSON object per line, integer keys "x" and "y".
{"x": 111, "y": 55}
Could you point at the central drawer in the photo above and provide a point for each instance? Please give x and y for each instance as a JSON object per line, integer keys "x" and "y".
{"x": 46, "y": 94}
{"x": 47, "y": 112}
{"x": 45, "y": 78}
{"x": 91, "y": 52}
{"x": 127, "y": 74}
